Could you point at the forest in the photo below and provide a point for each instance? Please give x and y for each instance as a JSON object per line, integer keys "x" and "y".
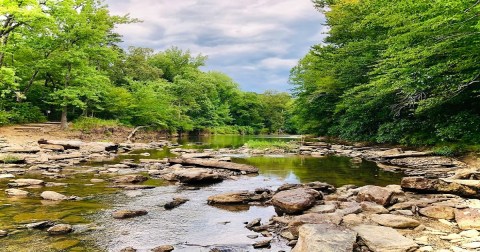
{"x": 397, "y": 72}
{"x": 62, "y": 60}
{"x": 403, "y": 71}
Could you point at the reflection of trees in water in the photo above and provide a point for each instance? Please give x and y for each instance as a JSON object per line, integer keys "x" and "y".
{"x": 335, "y": 170}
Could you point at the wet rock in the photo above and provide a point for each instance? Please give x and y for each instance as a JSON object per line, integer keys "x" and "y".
{"x": 176, "y": 202}
{"x": 129, "y": 179}
{"x": 294, "y": 201}
{"x": 377, "y": 194}
{"x": 128, "y": 249}
{"x": 438, "y": 212}
{"x": 163, "y": 248}
{"x": 325, "y": 238}
{"x": 60, "y": 229}
{"x": 3, "y": 233}
{"x": 40, "y": 225}
{"x": 262, "y": 244}
{"x": 16, "y": 192}
{"x": 196, "y": 176}
{"x": 133, "y": 187}
{"x": 254, "y": 223}
{"x": 313, "y": 218}
{"x": 384, "y": 239}
{"x": 468, "y": 218}
{"x": 26, "y": 182}
{"x": 50, "y": 195}
{"x": 373, "y": 208}
{"x": 252, "y": 236}
{"x": 237, "y": 198}
{"x": 125, "y": 214}
{"x": 395, "y": 221}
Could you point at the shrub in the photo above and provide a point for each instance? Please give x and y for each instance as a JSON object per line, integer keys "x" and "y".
{"x": 26, "y": 113}
{"x": 90, "y": 123}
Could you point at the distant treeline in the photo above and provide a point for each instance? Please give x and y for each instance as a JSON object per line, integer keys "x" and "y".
{"x": 404, "y": 71}
{"x": 61, "y": 60}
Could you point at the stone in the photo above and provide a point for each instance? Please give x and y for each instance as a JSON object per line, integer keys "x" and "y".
{"x": 471, "y": 245}
{"x": 377, "y": 194}
{"x": 384, "y": 239}
{"x": 373, "y": 208}
{"x": 50, "y": 195}
{"x": 6, "y": 176}
{"x": 130, "y": 179}
{"x": 451, "y": 237}
{"x": 294, "y": 201}
{"x": 313, "y": 218}
{"x": 438, "y": 212}
{"x": 52, "y": 147}
{"x": 176, "y": 202}
{"x": 163, "y": 248}
{"x": 425, "y": 249}
{"x": 323, "y": 209}
{"x": 27, "y": 182}
{"x": 254, "y": 223}
{"x": 97, "y": 180}
{"x": 325, "y": 238}
{"x": 40, "y": 225}
{"x": 262, "y": 244}
{"x": 16, "y": 192}
{"x": 468, "y": 218}
{"x": 470, "y": 233}
{"x": 196, "y": 176}
{"x": 3, "y": 233}
{"x": 352, "y": 220}
{"x": 236, "y": 198}
{"x": 60, "y": 229}
{"x": 128, "y": 249}
{"x": 125, "y": 214}
{"x": 395, "y": 221}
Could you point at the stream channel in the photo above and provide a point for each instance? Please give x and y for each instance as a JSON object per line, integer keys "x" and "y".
{"x": 194, "y": 226}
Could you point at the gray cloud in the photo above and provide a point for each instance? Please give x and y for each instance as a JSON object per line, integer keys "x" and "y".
{"x": 256, "y": 42}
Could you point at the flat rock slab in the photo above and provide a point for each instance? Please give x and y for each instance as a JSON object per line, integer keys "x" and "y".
{"x": 195, "y": 176}
{"x": 384, "y": 239}
{"x": 27, "y": 182}
{"x": 60, "y": 229}
{"x": 129, "y": 179}
{"x": 214, "y": 164}
{"x": 468, "y": 218}
{"x": 313, "y": 218}
{"x": 16, "y": 192}
{"x": 295, "y": 201}
{"x": 438, "y": 212}
{"x": 325, "y": 238}
{"x": 125, "y": 214}
{"x": 236, "y": 198}
{"x": 395, "y": 221}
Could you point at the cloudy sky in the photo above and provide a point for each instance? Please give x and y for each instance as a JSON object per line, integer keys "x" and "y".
{"x": 256, "y": 42}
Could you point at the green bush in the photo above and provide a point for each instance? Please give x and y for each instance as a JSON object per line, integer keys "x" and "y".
{"x": 233, "y": 130}
{"x": 449, "y": 150}
{"x": 26, "y": 113}
{"x": 90, "y": 123}
{"x": 4, "y": 118}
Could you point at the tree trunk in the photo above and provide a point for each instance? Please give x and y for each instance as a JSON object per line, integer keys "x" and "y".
{"x": 63, "y": 121}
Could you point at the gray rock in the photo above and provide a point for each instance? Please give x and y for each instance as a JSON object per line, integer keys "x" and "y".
{"x": 396, "y": 221}
{"x": 195, "y": 176}
{"x": 163, "y": 248}
{"x": 384, "y": 239}
{"x": 373, "y": 208}
{"x": 262, "y": 244}
{"x": 60, "y": 229}
{"x": 325, "y": 238}
{"x": 176, "y": 202}
{"x": 27, "y": 182}
{"x": 40, "y": 225}
{"x": 130, "y": 179}
{"x": 294, "y": 201}
{"x": 237, "y": 197}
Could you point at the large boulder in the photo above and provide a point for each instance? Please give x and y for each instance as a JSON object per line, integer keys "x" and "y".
{"x": 325, "y": 238}
{"x": 295, "y": 201}
{"x": 377, "y": 194}
{"x": 395, "y": 221}
{"x": 468, "y": 218}
{"x": 438, "y": 212}
{"x": 384, "y": 239}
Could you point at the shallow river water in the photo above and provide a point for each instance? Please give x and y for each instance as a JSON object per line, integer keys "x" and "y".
{"x": 194, "y": 226}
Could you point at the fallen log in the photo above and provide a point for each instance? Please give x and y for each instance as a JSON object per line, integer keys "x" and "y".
{"x": 214, "y": 164}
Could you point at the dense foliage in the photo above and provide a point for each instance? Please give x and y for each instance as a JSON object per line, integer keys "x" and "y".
{"x": 403, "y": 71}
{"x": 60, "y": 59}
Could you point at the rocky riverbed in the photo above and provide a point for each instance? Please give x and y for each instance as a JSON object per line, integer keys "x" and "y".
{"x": 435, "y": 207}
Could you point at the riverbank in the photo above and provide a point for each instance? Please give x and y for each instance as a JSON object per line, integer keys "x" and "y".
{"x": 436, "y": 207}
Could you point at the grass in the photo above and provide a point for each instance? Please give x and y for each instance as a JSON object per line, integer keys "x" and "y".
{"x": 276, "y": 144}
{"x": 90, "y": 123}
{"x": 10, "y": 159}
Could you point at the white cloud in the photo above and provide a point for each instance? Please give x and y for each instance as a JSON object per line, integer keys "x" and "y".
{"x": 265, "y": 36}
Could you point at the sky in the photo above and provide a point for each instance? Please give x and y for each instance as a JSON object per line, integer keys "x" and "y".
{"x": 256, "y": 42}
